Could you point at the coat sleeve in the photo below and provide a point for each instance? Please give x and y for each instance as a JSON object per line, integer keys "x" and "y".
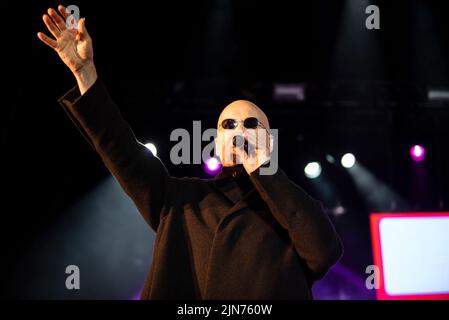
{"x": 309, "y": 228}
{"x": 141, "y": 175}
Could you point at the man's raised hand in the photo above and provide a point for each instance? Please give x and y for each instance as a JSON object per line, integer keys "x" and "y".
{"x": 74, "y": 46}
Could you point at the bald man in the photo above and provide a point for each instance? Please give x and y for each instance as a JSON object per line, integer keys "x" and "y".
{"x": 243, "y": 119}
{"x": 240, "y": 235}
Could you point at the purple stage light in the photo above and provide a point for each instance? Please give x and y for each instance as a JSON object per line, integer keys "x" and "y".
{"x": 212, "y": 166}
{"x": 418, "y": 153}
{"x": 137, "y": 295}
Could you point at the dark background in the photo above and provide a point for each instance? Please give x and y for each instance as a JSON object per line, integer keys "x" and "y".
{"x": 167, "y": 63}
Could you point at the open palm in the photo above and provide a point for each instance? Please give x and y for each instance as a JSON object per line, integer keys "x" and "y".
{"x": 74, "y": 46}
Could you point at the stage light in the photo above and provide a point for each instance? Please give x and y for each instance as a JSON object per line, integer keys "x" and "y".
{"x": 418, "y": 153}
{"x": 348, "y": 160}
{"x": 103, "y": 216}
{"x": 438, "y": 94}
{"x": 289, "y": 92}
{"x": 330, "y": 158}
{"x": 312, "y": 170}
{"x": 212, "y": 166}
{"x": 376, "y": 193}
{"x": 338, "y": 210}
{"x": 396, "y": 244}
{"x": 152, "y": 148}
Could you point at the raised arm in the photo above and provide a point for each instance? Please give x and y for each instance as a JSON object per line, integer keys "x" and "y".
{"x": 74, "y": 46}
{"x": 142, "y": 176}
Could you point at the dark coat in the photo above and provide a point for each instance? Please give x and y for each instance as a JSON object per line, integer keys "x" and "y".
{"x": 231, "y": 237}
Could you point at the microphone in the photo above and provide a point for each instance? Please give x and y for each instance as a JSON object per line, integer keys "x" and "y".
{"x": 240, "y": 142}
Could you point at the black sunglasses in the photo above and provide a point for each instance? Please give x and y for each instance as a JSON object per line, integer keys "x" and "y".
{"x": 248, "y": 123}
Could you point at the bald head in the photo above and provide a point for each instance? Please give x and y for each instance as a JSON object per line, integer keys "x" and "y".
{"x": 242, "y": 109}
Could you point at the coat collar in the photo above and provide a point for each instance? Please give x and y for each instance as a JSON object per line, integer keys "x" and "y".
{"x": 227, "y": 172}
{"x": 230, "y": 183}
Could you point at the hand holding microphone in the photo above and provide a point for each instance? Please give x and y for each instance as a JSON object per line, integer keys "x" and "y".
{"x": 252, "y": 149}
{"x": 239, "y": 141}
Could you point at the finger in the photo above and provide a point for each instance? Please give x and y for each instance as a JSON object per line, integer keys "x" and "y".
{"x": 63, "y": 12}
{"x": 51, "y": 26}
{"x": 47, "y": 40}
{"x": 248, "y": 153}
{"x": 241, "y": 155}
{"x": 251, "y": 136}
{"x": 60, "y": 23}
{"x": 82, "y": 28}
{"x": 258, "y": 137}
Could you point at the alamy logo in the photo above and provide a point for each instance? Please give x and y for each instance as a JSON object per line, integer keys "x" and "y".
{"x": 188, "y": 149}
{"x": 372, "y": 281}
{"x": 74, "y": 16}
{"x": 72, "y": 282}
{"x": 373, "y": 20}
